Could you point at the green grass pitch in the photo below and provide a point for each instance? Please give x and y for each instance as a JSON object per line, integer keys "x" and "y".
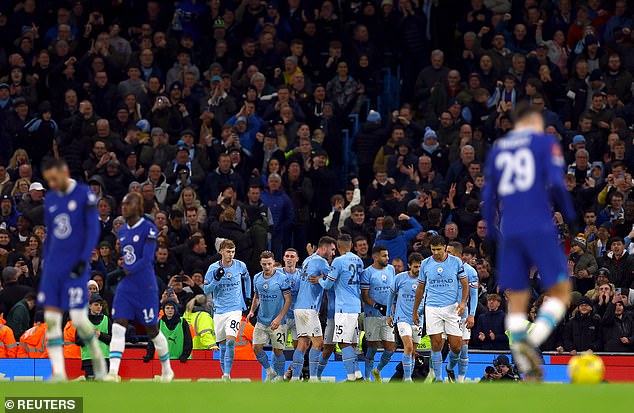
{"x": 149, "y": 397}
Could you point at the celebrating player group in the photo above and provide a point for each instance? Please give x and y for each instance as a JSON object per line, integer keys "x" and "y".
{"x": 436, "y": 296}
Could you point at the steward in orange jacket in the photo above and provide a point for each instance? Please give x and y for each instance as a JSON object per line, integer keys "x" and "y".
{"x": 8, "y": 346}
{"x": 33, "y": 341}
{"x": 71, "y": 350}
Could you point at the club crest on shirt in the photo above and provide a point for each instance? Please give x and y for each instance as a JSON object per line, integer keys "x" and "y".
{"x": 383, "y": 277}
{"x": 72, "y": 205}
{"x": 414, "y": 286}
{"x": 440, "y": 270}
{"x": 229, "y": 275}
{"x": 265, "y": 286}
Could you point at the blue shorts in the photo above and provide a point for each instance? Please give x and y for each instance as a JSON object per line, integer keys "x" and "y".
{"x": 61, "y": 291}
{"x": 136, "y": 306}
{"x": 517, "y": 255}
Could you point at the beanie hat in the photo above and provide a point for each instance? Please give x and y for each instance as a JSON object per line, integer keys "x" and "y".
{"x": 579, "y": 241}
{"x": 429, "y": 133}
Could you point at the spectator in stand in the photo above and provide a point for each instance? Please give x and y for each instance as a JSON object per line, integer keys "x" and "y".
{"x": 619, "y": 264}
{"x": 396, "y": 240}
{"x": 489, "y": 330}
{"x": 583, "y": 331}
{"x": 617, "y": 326}
{"x": 283, "y": 214}
{"x": 176, "y": 330}
{"x": 584, "y": 265}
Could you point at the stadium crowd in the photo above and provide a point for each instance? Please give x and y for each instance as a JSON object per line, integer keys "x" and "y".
{"x": 227, "y": 117}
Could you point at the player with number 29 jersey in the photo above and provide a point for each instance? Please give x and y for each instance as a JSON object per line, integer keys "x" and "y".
{"x": 523, "y": 175}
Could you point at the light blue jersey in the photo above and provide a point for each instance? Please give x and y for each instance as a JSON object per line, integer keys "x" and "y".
{"x": 229, "y": 292}
{"x": 310, "y": 295}
{"x": 344, "y": 280}
{"x": 293, "y": 282}
{"x": 378, "y": 282}
{"x": 474, "y": 283}
{"x": 404, "y": 289}
{"x": 441, "y": 280}
{"x": 271, "y": 293}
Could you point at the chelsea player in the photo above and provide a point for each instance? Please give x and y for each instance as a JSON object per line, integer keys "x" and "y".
{"x": 70, "y": 213}
{"x": 229, "y": 282}
{"x": 523, "y": 179}
{"x": 400, "y": 308}
{"x": 468, "y": 318}
{"x": 438, "y": 281}
{"x": 375, "y": 292}
{"x": 272, "y": 295}
{"x": 136, "y": 297}
{"x": 307, "y": 308}
{"x": 344, "y": 279}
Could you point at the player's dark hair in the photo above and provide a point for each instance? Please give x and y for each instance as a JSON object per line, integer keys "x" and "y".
{"x": 437, "y": 240}
{"x": 53, "y": 163}
{"x": 344, "y": 238}
{"x": 524, "y": 110}
{"x": 266, "y": 255}
{"x": 326, "y": 240}
{"x": 457, "y": 247}
{"x": 378, "y": 249}
{"x": 291, "y": 250}
{"x": 414, "y": 257}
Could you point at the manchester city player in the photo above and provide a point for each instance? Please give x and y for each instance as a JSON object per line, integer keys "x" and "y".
{"x": 468, "y": 318}
{"x": 229, "y": 282}
{"x": 523, "y": 180}
{"x": 307, "y": 307}
{"x": 137, "y": 293}
{"x": 438, "y": 282}
{"x": 375, "y": 292}
{"x": 272, "y": 296}
{"x": 71, "y": 217}
{"x": 344, "y": 279}
{"x": 400, "y": 308}
{"x": 291, "y": 258}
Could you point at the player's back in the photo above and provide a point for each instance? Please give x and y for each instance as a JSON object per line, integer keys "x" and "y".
{"x": 520, "y": 170}
{"x": 378, "y": 282}
{"x": 310, "y": 295}
{"x": 472, "y": 280}
{"x": 65, "y": 216}
{"x": 405, "y": 286}
{"x": 347, "y": 286}
{"x": 441, "y": 280}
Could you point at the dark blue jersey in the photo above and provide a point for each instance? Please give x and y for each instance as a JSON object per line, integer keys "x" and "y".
{"x": 138, "y": 244}
{"x": 73, "y": 228}
{"x": 523, "y": 178}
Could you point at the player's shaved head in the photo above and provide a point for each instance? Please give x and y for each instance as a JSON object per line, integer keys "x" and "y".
{"x": 132, "y": 205}
{"x": 344, "y": 243}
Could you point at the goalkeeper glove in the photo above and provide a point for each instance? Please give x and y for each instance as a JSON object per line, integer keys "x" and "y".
{"x": 381, "y": 308}
{"x": 219, "y": 274}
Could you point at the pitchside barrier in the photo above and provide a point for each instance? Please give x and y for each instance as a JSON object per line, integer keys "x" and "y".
{"x": 204, "y": 365}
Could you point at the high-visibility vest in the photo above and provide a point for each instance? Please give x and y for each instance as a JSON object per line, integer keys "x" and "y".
{"x": 105, "y": 348}
{"x": 201, "y": 325}
{"x": 529, "y": 327}
{"x": 244, "y": 349}
{"x": 33, "y": 342}
{"x": 71, "y": 350}
{"x": 8, "y": 346}
{"x": 175, "y": 338}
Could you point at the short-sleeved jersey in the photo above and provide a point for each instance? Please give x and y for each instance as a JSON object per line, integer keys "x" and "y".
{"x": 523, "y": 175}
{"x": 270, "y": 292}
{"x": 293, "y": 282}
{"x": 441, "y": 280}
{"x": 378, "y": 282}
{"x": 233, "y": 287}
{"x": 346, "y": 272}
{"x": 138, "y": 256}
{"x": 310, "y": 295}
{"x": 474, "y": 282}
{"x": 404, "y": 287}
{"x": 69, "y": 232}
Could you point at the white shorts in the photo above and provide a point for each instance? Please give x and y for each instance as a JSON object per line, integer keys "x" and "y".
{"x": 376, "y": 329}
{"x": 407, "y": 329}
{"x": 440, "y": 320}
{"x": 290, "y": 328}
{"x": 329, "y": 332}
{"x": 346, "y": 328}
{"x": 307, "y": 323}
{"x": 227, "y": 324}
{"x": 264, "y": 335}
{"x": 466, "y": 332}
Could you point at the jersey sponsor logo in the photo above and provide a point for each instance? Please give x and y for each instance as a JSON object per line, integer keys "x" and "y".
{"x": 62, "y": 228}
{"x": 135, "y": 238}
{"x": 129, "y": 257}
{"x": 152, "y": 233}
{"x": 41, "y": 297}
{"x": 72, "y": 205}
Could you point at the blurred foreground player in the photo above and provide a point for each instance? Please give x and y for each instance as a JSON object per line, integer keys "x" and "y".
{"x": 70, "y": 211}
{"x": 137, "y": 293}
{"x": 523, "y": 178}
